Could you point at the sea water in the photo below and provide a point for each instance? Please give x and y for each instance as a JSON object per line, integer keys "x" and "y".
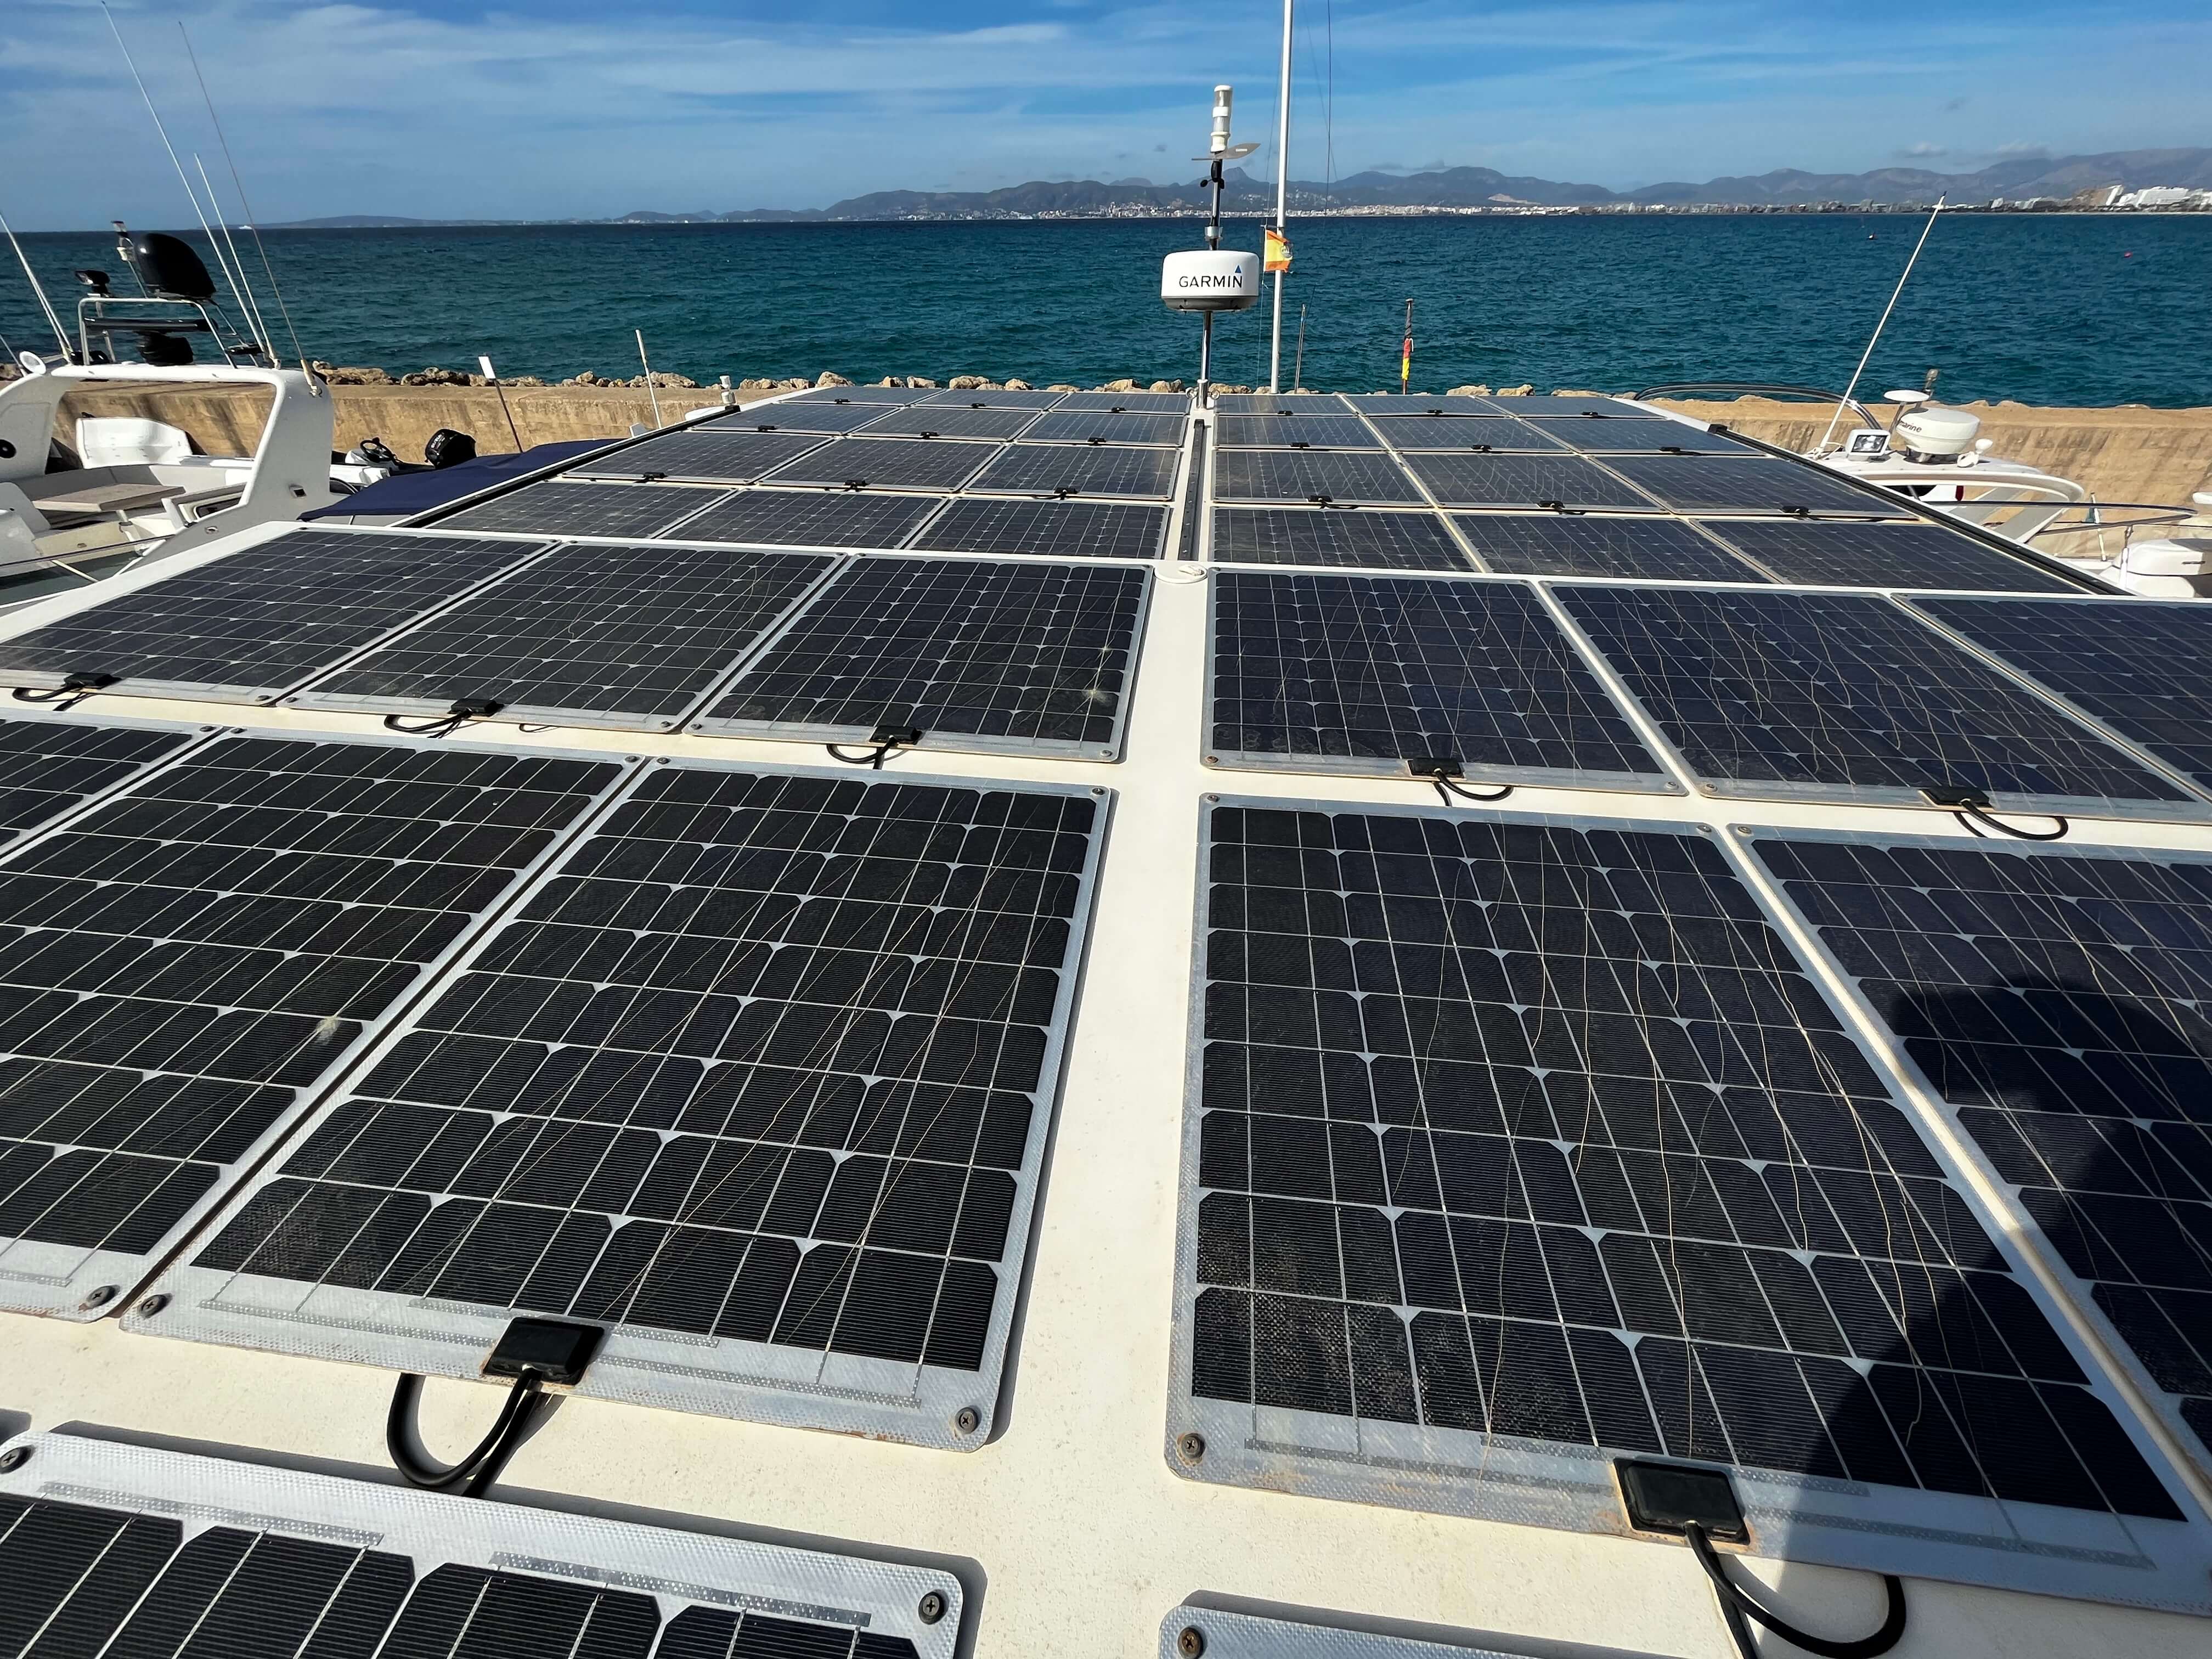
{"x": 2044, "y": 308}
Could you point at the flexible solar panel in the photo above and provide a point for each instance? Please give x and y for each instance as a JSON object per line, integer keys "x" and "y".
{"x": 1470, "y": 432}
{"x": 1543, "y": 409}
{"x": 1752, "y": 483}
{"x": 1609, "y": 435}
{"x": 714, "y": 455}
{"x": 180, "y": 967}
{"x": 1420, "y": 403}
{"x": 981, "y": 654}
{"x": 1361, "y": 673}
{"x": 1086, "y": 529}
{"x": 557, "y": 506}
{"x": 1274, "y": 475}
{"x": 1131, "y": 403}
{"x": 49, "y": 766}
{"x": 1222, "y": 1634}
{"x": 823, "y": 417}
{"x": 1303, "y": 535}
{"x": 1517, "y": 1144}
{"x": 2143, "y": 667}
{"x": 1279, "y": 403}
{"x": 760, "y": 1077}
{"x": 986, "y": 398}
{"x": 1294, "y": 432}
{"x": 1081, "y": 470}
{"x": 1569, "y": 544}
{"x": 813, "y": 518}
{"x": 890, "y": 464}
{"x": 1846, "y": 554}
{"x": 1099, "y": 426}
{"x": 1847, "y": 696}
{"x": 851, "y": 394}
{"x": 2055, "y": 1003}
{"x": 246, "y": 627}
{"x": 124, "y": 1550}
{"x": 627, "y": 636}
{"x": 937, "y": 420}
{"x": 1553, "y": 481}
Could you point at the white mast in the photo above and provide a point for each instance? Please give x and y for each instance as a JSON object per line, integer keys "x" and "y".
{"x": 1282, "y": 197}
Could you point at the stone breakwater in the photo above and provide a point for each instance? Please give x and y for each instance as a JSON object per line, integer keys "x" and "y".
{"x": 341, "y": 374}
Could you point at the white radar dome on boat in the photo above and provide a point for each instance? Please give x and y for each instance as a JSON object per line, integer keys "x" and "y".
{"x": 1935, "y": 435}
{"x": 1209, "y": 279}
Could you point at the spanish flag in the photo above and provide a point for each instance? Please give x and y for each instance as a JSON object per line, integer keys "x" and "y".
{"x": 1277, "y": 245}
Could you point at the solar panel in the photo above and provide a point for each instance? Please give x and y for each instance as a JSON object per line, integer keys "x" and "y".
{"x": 1278, "y": 403}
{"x": 1545, "y": 409}
{"x": 1081, "y": 470}
{"x": 1421, "y": 403}
{"x": 1752, "y": 483}
{"x": 1516, "y": 1144}
{"x": 712, "y": 456}
{"x": 983, "y": 398}
{"x": 1568, "y": 544}
{"x": 48, "y": 767}
{"x": 1363, "y": 673}
{"x": 1848, "y": 555}
{"x": 125, "y": 1550}
{"x": 1087, "y": 530}
{"x": 181, "y": 966}
{"x": 2143, "y": 667}
{"x": 936, "y": 421}
{"x": 1099, "y": 426}
{"x": 627, "y": 636}
{"x": 1222, "y": 1634}
{"x": 558, "y": 506}
{"x": 760, "y": 1076}
{"x": 2055, "y": 1002}
{"x": 1474, "y": 432}
{"x": 1523, "y": 481}
{"x": 1608, "y": 434}
{"x": 1294, "y": 432}
{"x": 1846, "y": 696}
{"x": 1132, "y": 403}
{"x": 978, "y": 654}
{"x": 1304, "y": 534}
{"x": 825, "y": 417}
{"x": 813, "y": 518}
{"x": 891, "y": 462}
{"x": 245, "y": 627}
{"x": 1273, "y": 475}
{"x": 851, "y": 394}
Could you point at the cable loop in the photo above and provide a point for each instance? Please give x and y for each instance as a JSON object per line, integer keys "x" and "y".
{"x": 1737, "y": 1604}
{"x": 475, "y": 1471}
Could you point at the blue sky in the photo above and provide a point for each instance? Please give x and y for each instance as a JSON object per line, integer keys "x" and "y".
{"x": 550, "y": 108}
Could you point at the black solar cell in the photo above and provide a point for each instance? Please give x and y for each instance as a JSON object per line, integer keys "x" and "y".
{"x": 768, "y": 1058}
{"x": 813, "y": 518}
{"x": 1367, "y": 672}
{"x": 1560, "y": 480}
{"x": 46, "y": 767}
{"x": 985, "y": 397}
{"x": 1753, "y": 484}
{"x": 1089, "y": 530}
{"x": 1081, "y": 470}
{"x": 891, "y": 462}
{"x": 1555, "y": 407}
{"x": 183, "y": 964}
{"x": 2056, "y": 1001}
{"x": 811, "y": 417}
{"x": 1834, "y": 694}
{"x": 1609, "y": 435}
{"x": 1279, "y": 403}
{"x": 262, "y": 620}
{"x": 940, "y": 420}
{"x": 1132, "y": 403}
{"x": 1569, "y": 544}
{"x": 1523, "y": 1135}
{"x": 2143, "y": 667}
{"x": 974, "y": 652}
{"x": 625, "y": 635}
{"x": 713, "y": 455}
{"x": 1085, "y": 426}
{"x": 1294, "y": 432}
{"x": 1470, "y": 432}
{"x": 1843, "y": 555}
{"x": 1300, "y": 535}
{"x": 557, "y": 506}
{"x": 1421, "y": 403}
{"x": 1274, "y": 475}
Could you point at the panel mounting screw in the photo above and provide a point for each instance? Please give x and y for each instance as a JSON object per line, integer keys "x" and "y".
{"x": 967, "y": 1420}
{"x": 932, "y": 1607}
{"x": 148, "y": 1306}
{"x": 14, "y": 1458}
{"x": 1190, "y": 1642}
{"x": 1191, "y": 1448}
{"x": 98, "y": 1296}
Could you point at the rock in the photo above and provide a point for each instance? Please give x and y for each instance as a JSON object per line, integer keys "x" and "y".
{"x": 966, "y": 383}
{"x": 1063, "y": 388}
{"x": 891, "y": 379}
{"x": 1018, "y": 386}
{"x": 1569, "y": 392}
{"x": 1166, "y": 386}
{"x": 1513, "y": 392}
{"x": 796, "y": 383}
{"x": 1122, "y": 385}
{"x": 527, "y": 380}
{"x": 757, "y": 385}
{"x": 343, "y": 374}
{"x": 830, "y": 377}
{"x": 1468, "y": 392}
{"x": 920, "y": 382}
{"x": 681, "y": 382}
{"x": 1220, "y": 387}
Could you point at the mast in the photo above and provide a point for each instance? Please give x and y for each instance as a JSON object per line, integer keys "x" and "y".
{"x": 1282, "y": 196}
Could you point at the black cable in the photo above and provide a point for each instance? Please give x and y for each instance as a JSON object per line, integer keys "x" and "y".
{"x": 476, "y": 1471}
{"x": 1446, "y": 790}
{"x": 1737, "y": 1604}
{"x": 464, "y": 710}
{"x": 1967, "y": 815}
{"x": 873, "y": 758}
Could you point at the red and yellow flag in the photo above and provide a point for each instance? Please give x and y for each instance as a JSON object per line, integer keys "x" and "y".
{"x": 1276, "y": 250}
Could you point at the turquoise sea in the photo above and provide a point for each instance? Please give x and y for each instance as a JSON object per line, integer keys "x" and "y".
{"x": 2068, "y": 309}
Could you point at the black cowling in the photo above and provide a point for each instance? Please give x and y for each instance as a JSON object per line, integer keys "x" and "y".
{"x": 164, "y": 350}
{"x": 447, "y": 448}
{"x": 169, "y": 268}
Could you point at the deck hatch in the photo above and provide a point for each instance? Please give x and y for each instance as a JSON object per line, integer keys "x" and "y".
{"x": 560, "y": 507}
{"x": 1081, "y": 529}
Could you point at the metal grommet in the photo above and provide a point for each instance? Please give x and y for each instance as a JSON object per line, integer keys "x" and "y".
{"x": 932, "y": 1607}
{"x": 100, "y": 1295}
{"x": 1191, "y": 1448}
{"x": 967, "y": 1420}
{"x": 1190, "y": 1642}
{"x": 14, "y": 1458}
{"x": 148, "y": 1306}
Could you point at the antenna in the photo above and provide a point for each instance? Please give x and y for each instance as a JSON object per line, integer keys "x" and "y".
{"x": 245, "y": 288}
{"x": 1277, "y": 239}
{"x": 651, "y": 390}
{"x": 1212, "y": 281}
{"x": 1822, "y": 448}
{"x": 45, "y": 304}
